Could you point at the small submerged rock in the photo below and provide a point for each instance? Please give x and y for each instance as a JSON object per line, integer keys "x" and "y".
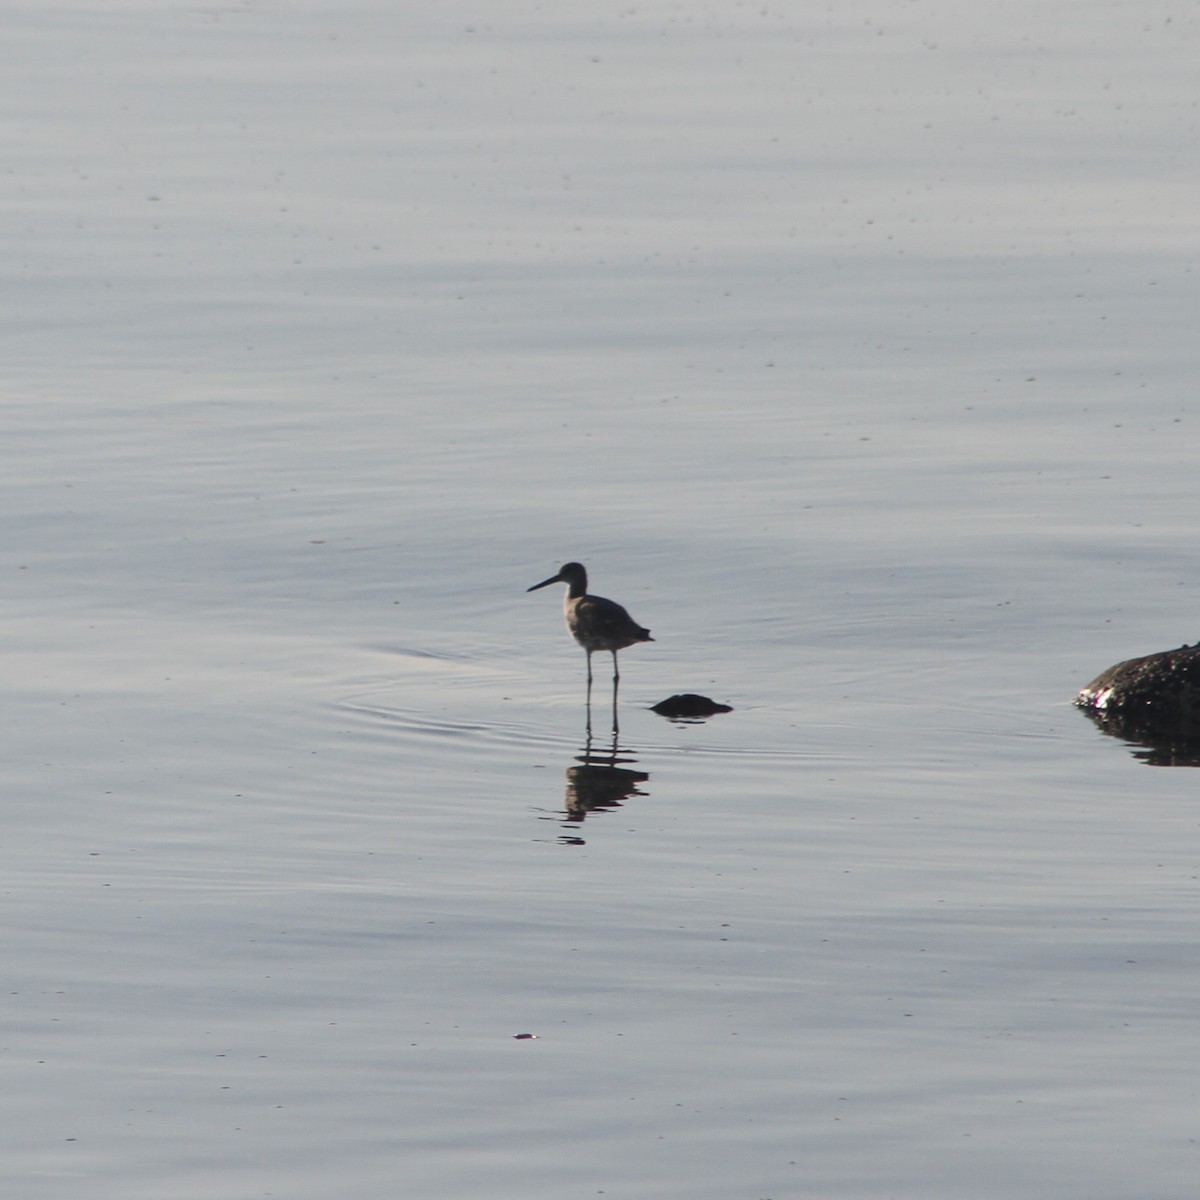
{"x": 1156, "y": 694}
{"x": 689, "y": 705}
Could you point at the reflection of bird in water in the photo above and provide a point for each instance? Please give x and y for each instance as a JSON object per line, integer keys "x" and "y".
{"x": 594, "y": 622}
{"x": 601, "y": 781}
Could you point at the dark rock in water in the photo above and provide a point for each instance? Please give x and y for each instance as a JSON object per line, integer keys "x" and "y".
{"x": 1146, "y": 698}
{"x": 689, "y": 706}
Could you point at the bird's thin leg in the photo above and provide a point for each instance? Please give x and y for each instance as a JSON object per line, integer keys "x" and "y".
{"x": 616, "y": 684}
{"x": 588, "y": 702}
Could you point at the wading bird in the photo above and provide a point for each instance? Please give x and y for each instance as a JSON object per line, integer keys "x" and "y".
{"x": 595, "y": 623}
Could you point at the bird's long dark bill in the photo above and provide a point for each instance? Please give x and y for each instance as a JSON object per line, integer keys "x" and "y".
{"x": 544, "y": 583}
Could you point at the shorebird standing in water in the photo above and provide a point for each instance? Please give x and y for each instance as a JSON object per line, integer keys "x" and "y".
{"x": 595, "y": 623}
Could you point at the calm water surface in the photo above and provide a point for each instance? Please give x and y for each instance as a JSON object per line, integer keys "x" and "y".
{"x": 853, "y": 352}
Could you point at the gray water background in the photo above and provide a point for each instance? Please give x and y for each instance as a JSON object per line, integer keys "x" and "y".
{"x": 853, "y": 348}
